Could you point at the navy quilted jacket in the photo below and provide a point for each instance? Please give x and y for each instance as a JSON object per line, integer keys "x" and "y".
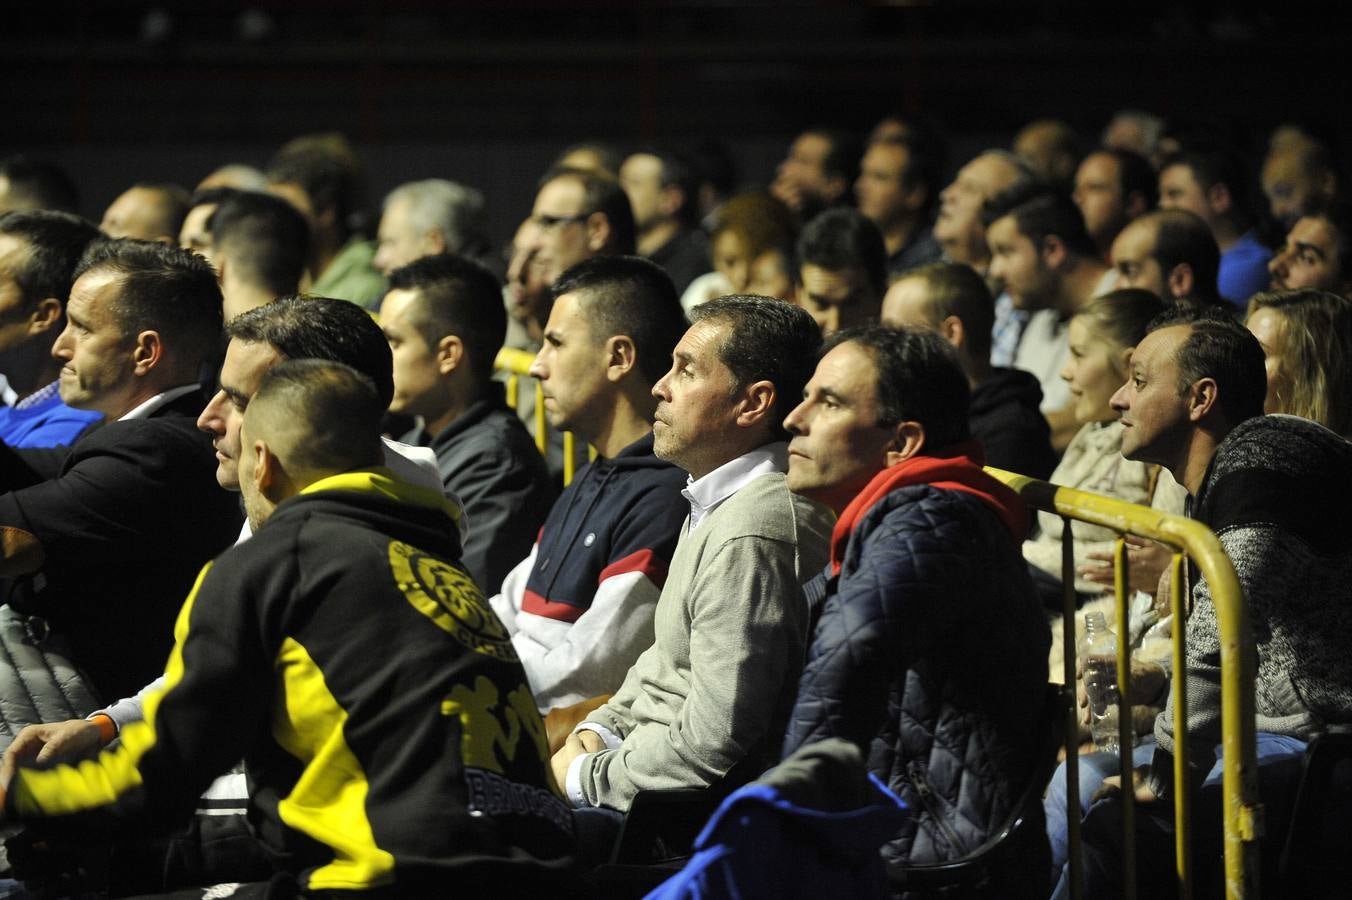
{"x": 930, "y": 653}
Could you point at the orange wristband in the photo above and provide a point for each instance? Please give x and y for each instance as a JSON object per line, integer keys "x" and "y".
{"x": 107, "y": 727}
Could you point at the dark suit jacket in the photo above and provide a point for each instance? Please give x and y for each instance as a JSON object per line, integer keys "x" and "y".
{"x": 131, "y": 517}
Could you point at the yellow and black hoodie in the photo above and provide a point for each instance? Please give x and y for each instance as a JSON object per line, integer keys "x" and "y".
{"x": 387, "y": 728}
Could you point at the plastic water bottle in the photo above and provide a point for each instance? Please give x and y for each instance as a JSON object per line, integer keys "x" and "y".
{"x": 1098, "y": 653}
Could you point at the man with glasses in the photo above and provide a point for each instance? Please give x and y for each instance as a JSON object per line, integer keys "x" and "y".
{"x": 579, "y": 215}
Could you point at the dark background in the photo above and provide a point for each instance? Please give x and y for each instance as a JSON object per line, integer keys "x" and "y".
{"x": 488, "y": 92}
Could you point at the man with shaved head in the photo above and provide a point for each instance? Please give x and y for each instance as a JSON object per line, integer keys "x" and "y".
{"x": 147, "y": 212}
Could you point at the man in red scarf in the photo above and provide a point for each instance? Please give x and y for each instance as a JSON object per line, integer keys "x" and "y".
{"x": 930, "y": 649}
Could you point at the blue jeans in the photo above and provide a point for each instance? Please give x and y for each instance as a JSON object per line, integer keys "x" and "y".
{"x": 1279, "y": 763}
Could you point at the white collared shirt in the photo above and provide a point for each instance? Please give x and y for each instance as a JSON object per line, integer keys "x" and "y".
{"x": 706, "y": 493}
{"x": 147, "y": 408}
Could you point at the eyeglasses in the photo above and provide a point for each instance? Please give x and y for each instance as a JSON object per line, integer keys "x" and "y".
{"x": 546, "y": 223}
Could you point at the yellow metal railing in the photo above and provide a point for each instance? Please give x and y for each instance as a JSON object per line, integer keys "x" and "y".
{"x": 516, "y": 365}
{"x": 1241, "y": 809}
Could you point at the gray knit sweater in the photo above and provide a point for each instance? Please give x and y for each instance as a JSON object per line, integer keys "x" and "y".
{"x": 1277, "y": 495}
{"x": 730, "y": 636}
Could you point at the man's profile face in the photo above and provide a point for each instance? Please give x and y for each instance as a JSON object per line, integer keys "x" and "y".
{"x": 1291, "y": 189}
{"x": 838, "y": 445}
{"x": 194, "y": 235}
{"x": 571, "y": 368}
{"x": 1180, "y": 189}
{"x": 959, "y": 220}
{"x": 98, "y": 362}
{"x": 880, "y": 190}
{"x": 1017, "y": 264}
{"x": 1309, "y": 258}
{"x": 641, "y": 178}
{"x": 417, "y": 375}
{"x": 14, "y": 315}
{"x": 398, "y": 243}
{"x": 1153, "y": 411}
{"x": 1133, "y": 256}
{"x": 527, "y": 289}
{"x": 837, "y": 298}
{"x": 697, "y": 402}
{"x": 560, "y": 216}
{"x": 241, "y": 373}
{"x": 1098, "y": 194}
{"x": 732, "y": 259}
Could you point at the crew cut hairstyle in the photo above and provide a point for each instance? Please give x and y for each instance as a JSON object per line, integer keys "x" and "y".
{"x": 632, "y": 296}
{"x": 955, "y": 289}
{"x": 603, "y": 194}
{"x": 266, "y": 239}
{"x": 1219, "y": 348}
{"x": 844, "y": 238}
{"x": 320, "y": 328}
{"x": 919, "y": 380}
{"x": 56, "y": 241}
{"x": 456, "y": 295}
{"x": 767, "y": 340}
{"x": 40, "y": 183}
{"x": 336, "y": 406}
{"x": 164, "y": 289}
{"x": 1040, "y": 212}
{"x": 1182, "y": 237}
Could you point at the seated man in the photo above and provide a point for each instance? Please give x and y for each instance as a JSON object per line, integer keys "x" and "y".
{"x": 580, "y": 606}
{"x": 368, "y": 768}
{"x": 705, "y": 705}
{"x": 445, "y": 323}
{"x": 1269, "y": 487}
{"x": 38, "y": 254}
{"x": 931, "y": 647}
{"x": 105, "y": 551}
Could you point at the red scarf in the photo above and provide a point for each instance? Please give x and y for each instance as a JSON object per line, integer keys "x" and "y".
{"x": 958, "y": 469}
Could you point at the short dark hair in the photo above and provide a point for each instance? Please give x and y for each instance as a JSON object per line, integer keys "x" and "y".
{"x": 164, "y": 289}
{"x": 926, "y": 154}
{"x": 842, "y": 159}
{"x": 1039, "y": 212}
{"x": 56, "y": 241}
{"x": 919, "y": 379}
{"x": 675, "y": 170}
{"x": 632, "y": 296}
{"x": 40, "y": 183}
{"x": 326, "y": 169}
{"x": 320, "y": 328}
{"x": 1135, "y": 175}
{"x": 337, "y": 406}
{"x": 767, "y": 340}
{"x": 456, "y": 295}
{"x": 1339, "y": 217}
{"x": 1220, "y": 348}
{"x": 265, "y": 238}
{"x": 955, "y": 289}
{"x": 603, "y": 194}
{"x": 844, "y": 238}
{"x": 209, "y": 195}
{"x": 1182, "y": 237}
{"x": 1213, "y": 165}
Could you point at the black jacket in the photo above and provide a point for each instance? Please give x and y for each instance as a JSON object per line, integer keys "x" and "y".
{"x": 132, "y": 515}
{"x": 387, "y": 729}
{"x": 1006, "y": 420}
{"x": 490, "y": 463}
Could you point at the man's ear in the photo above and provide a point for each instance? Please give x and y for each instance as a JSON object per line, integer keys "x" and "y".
{"x": 621, "y": 357}
{"x": 265, "y": 467}
{"x": 953, "y": 331}
{"x": 598, "y": 231}
{"x": 450, "y": 353}
{"x": 758, "y": 403}
{"x": 1203, "y": 397}
{"x": 907, "y": 441}
{"x": 1053, "y": 251}
{"x": 45, "y": 316}
{"x": 1180, "y": 282}
{"x": 148, "y": 352}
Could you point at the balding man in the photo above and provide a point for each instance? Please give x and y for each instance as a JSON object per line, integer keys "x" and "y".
{"x": 387, "y": 728}
{"x": 147, "y": 212}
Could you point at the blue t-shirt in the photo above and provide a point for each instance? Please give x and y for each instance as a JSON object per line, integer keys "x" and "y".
{"x": 42, "y": 420}
{"x": 1244, "y": 270}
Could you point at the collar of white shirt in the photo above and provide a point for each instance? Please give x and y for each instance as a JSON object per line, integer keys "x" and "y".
{"x": 705, "y": 494}
{"x": 145, "y": 410}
